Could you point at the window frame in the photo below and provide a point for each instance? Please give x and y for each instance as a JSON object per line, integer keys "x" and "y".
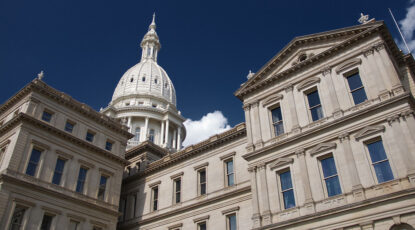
{"x": 226, "y": 174}
{"x": 324, "y": 156}
{"x": 371, "y": 140}
{"x": 111, "y": 142}
{"x": 175, "y": 178}
{"x": 61, "y": 180}
{"x": 199, "y": 183}
{"x": 25, "y": 216}
{"x": 85, "y": 181}
{"x": 47, "y": 214}
{"x": 71, "y": 123}
{"x": 154, "y": 200}
{"x": 93, "y": 135}
{"x": 105, "y": 193}
{"x": 270, "y": 109}
{"x": 346, "y": 76}
{"x": 308, "y": 91}
{"x": 227, "y": 216}
{"x": 42, "y": 151}
{"x": 281, "y": 192}
{"x": 137, "y": 137}
{"x": 47, "y": 111}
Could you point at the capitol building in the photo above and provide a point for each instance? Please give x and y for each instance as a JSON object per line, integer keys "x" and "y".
{"x": 328, "y": 143}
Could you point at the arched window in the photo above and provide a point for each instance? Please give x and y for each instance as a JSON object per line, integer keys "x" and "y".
{"x": 132, "y": 79}
{"x": 401, "y": 227}
{"x": 137, "y": 134}
{"x": 151, "y": 137}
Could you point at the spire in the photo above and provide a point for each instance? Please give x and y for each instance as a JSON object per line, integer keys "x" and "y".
{"x": 150, "y": 44}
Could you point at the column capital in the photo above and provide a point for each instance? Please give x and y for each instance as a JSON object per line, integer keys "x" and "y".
{"x": 254, "y": 104}
{"x": 325, "y": 70}
{"x": 300, "y": 152}
{"x": 368, "y": 51}
{"x": 408, "y": 113}
{"x": 379, "y": 46}
{"x": 392, "y": 119}
{"x": 252, "y": 169}
{"x": 246, "y": 107}
{"x": 344, "y": 136}
{"x": 261, "y": 166}
{"x": 289, "y": 88}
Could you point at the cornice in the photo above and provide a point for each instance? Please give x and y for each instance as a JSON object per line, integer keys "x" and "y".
{"x": 24, "y": 118}
{"x": 150, "y": 109}
{"x": 146, "y": 146}
{"x": 64, "y": 99}
{"x": 211, "y": 143}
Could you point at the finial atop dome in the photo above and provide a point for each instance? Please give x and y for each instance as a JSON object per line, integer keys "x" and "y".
{"x": 153, "y": 23}
{"x": 150, "y": 44}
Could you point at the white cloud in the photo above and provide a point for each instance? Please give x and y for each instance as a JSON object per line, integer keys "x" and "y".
{"x": 210, "y": 124}
{"x": 407, "y": 26}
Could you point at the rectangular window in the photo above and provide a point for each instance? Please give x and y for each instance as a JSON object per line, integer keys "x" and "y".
{"x": 380, "y": 161}
{"x": 73, "y": 225}
{"x": 356, "y": 88}
{"x": 46, "y": 116}
{"x": 81, "y": 179}
{"x": 231, "y": 222}
{"x": 177, "y": 190}
{"x": 330, "y": 176}
{"x": 33, "y": 162}
{"x": 137, "y": 134}
{"x": 277, "y": 121}
{"x": 151, "y": 135}
{"x": 201, "y": 226}
{"x": 46, "y": 222}
{"x": 57, "y": 175}
{"x": 69, "y": 126}
{"x": 108, "y": 145}
{"x": 89, "y": 136}
{"x": 229, "y": 172}
{"x": 287, "y": 190}
{"x": 102, "y": 187}
{"x": 17, "y": 218}
{"x": 315, "y": 105}
{"x": 155, "y": 198}
{"x": 202, "y": 181}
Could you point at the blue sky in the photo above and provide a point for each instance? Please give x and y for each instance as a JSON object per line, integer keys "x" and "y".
{"x": 208, "y": 47}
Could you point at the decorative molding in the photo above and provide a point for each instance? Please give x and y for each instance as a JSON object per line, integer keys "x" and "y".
{"x": 369, "y": 130}
{"x": 154, "y": 184}
{"x": 75, "y": 217}
{"x": 322, "y": 147}
{"x": 379, "y": 46}
{"x": 325, "y": 70}
{"x": 308, "y": 82}
{"x": 289, "y": 88}
{"x": 252, "y": 169}
{"x": 392, "y": 119}
{"x": 204, "y": 165}
{"x": 397, "y": 219}
{"x": 229, "y": 155}
{"x": 408, "y": 113}
{"x": 40, "y": 145}
{"x": 344, "y": 136}
{"x": 51, "y": 210}
{"x": 4, "y": 144}
{"x": 230, "y": 210}
{"x": 99, "y": 224}
{"x": 105, "y": 171}
{"x": 246, "y": 107}
{"x": 281, "y": 162}
{"x": 176, "y": 175}
{"x": 64, "y": 155}
{"x": 179, "y": 225}
{"x": 368, "y": 52}
{"x": 300, "y": 151}
{"x": 202, "y": 218}
{"x": 272, "y": 99}
{"x": 348, "y": 64}
{"x": 254, "y": 104}
{"x": 24, "y": 202}
{"x": 86, "y": 164}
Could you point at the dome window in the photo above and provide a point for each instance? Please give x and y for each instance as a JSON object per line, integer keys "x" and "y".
{"x": 144, "y": 79}
{"x": 302, "y": 57}
{"x": 165, "y": 85}
{"x": 132, "y": 79}
{"x": 155, "y": 81}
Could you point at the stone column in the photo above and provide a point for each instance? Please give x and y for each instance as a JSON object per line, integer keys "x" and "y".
{"x": 383, "y": 92}
{"x": 256, "y": 216}
{"x": 357, "y": 188}
{"x": 389, "y": 69}
{"x": 366, "y": 225}
{"x": 129, "y": 124}
{"x": 408, "y": 128}
{"x": 326, "y": 72}
{"x": 92, "y": 183}
{"x": 48, "y": 165}
{"x": 256, "y": 125}
{"x": 179, "y": 139}
{"x": 249, "y": 145}
{"x": 146, "y": 129}
{"x": 264, "y": 199}
{"x": 35, "y": 218}
{"x": 308, "y": 198}
{"x": 293, "y": 109}
{"x": 174, "y": 138}
{"x": 162, "y": 132}
{"x": 167, "y": 133}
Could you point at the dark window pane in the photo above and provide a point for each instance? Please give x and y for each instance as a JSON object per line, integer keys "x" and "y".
{"x": 383, "y": 171}
{"x": 46, "y": 222}
{"x": 329, "y": 167}
{"x": 89, "y": 137}
{"x": 279, "y": 129}
{"x": 108, "y": 146}
{"x": 276, "y": 115}
{"x": 60, "y": 164}
{"x": 232, "y": 222}
{"x": 102, "y": 187}
{"x": 313, "y": 99}
{"x": 81, "y": 180}
{"x": 202, "y": 226}
{"x": 333, "y": 186}
{"x": 202, "y": 175}
{"x": 354, "y": 81}
{"x": 229, "y": 167}
{"x": 289, "y": 200}
{"x": 317, "y": 113}
{"x": 230, "y": 180}
{"x": 202, "y": 189}
{"x": 17, "y": 218}
{"x": 377, "y": 152}
{"x": 69, "y": 127}
{"x": 33, "y": 162}
{"x": 285, "y": 180}
{"x": 178, "y": 197}
{"x": 359, "y": 96}
{"x": 46, "y": 116}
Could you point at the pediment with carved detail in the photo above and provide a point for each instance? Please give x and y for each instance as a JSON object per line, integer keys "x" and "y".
{"x": 322, "y": 147}
{"x": 369, "y": 130}
{"x": 347, "y": 65}
{"x": 272, "y": 99}
{"x": 308, "y": 82}
{"x": 281, "y": 162}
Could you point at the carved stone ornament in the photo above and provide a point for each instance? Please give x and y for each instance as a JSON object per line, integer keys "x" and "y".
{"x": 392, "y": 119}
{"x": 307, "y": 82}
{"x": 281, "y": 162}
{"x": 369, "y": 130}
{"x": 348, "y": 64}
{"x": 272, "y": 99}
{"x": 363, "y": 18}
{"x": 344, "y": 136}
{"x": 326, "y": 70}
{"x": 368, "y": 52}
{"x": 322, "y": 147}
{"x": 379, "y": 46}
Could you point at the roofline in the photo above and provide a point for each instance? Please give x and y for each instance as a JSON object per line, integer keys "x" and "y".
{"x": 146, "y": 145}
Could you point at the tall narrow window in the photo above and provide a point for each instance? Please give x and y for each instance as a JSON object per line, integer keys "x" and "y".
{"x": 202, "y": 181}
{"x": 201, "y": 226}
{"x": 81, "y": 179}
{"x": 69, "y": 126}
{"x": 287, "y": 189}
{"x": 137, "y": 134}
{"x": 155, "y": 198}
{"x": 177, "y": 190}
{"x": 356, "y": 88}
{"x": 17, "y": 218}
{"x": 315, "y": 105}
{"x": 231, "y": 222}
{"x": 89, "y": 136}
{"x": 46, "y": 222}
{"x": 33, "y": 162}
{"x": 151, "y": 135}
{"x": 46, "y": 116}
{"x": 229, "y": 172}
{"x": 102, "y": 187}
{"x": 57, "y": 175}
{"x": 108, "y": 145}
{"x": 330, "y": 176}
{"x": 73, "y": 225}
{"x": 380, "y": 161}
{"x": 277, "y": 121}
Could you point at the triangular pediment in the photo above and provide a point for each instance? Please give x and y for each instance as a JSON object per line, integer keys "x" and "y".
{"x": 302, "y": 51}
{"x": 322, "y": 147}
{"x": 369, "y": 130}
{"x": 281, "y": 162}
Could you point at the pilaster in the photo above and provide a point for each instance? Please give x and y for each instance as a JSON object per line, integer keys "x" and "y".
{"x": 383, "y": 93}
{"x": 264, "y": 198}
{"x": 256, "y": 216}
{"x": 256, "y": 125}
{"x": 249, "y": 145}
{"x": 309, "y": 206}
{"x": 293, "y": 109}
{"x": 328, "y": 74}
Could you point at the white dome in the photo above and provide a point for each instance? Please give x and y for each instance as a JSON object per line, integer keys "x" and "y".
{"x": 146, "y": 78}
